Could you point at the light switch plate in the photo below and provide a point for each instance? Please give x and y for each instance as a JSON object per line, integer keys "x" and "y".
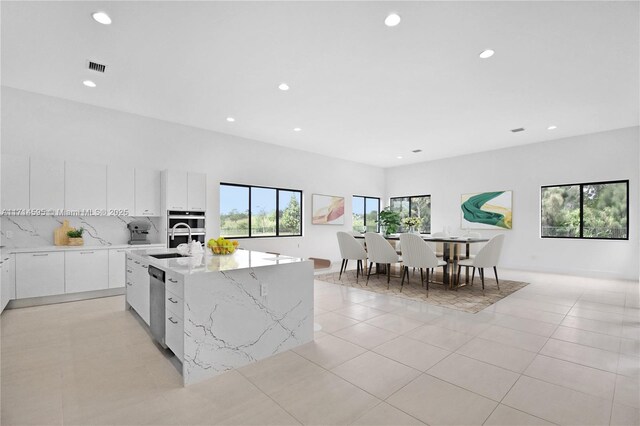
{"x": 263, "y": 289}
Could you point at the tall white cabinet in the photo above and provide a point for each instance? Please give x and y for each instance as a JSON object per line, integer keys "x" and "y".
{"x": 147, "y": 192}
{"x": 46, "y": 184}
{"x": 196, "y": 191}
{"x": 85, "y": 186}
{"x": 184, "y": 190}
{"x": 121, "y": 189}
{"x": 15, "y": 182}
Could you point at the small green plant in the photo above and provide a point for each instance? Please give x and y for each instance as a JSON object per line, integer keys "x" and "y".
{"x": 390, "y": 220}
{"x": 75, "y": 233}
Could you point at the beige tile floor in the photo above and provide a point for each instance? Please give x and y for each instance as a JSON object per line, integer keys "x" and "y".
{"x": 563, "y": 350}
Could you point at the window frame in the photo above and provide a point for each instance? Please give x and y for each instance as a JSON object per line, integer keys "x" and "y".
{"x": 582, "y": 185}
{"x": 410, "y": 197}
{"x": 277, "y": 235}
{"x": 364, "y": 197}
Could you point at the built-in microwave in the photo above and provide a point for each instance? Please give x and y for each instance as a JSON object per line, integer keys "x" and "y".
{"x": 195, "y": 221}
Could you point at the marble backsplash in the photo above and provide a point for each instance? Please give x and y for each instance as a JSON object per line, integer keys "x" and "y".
{"x": 37, "y": 231}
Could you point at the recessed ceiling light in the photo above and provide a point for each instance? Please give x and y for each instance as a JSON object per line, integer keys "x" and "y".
{"x": 552, "y": 127}
{"x": 231, "y": 119}
{"x": 399, "y": 157}
{"x": 102, "y": 18}
{"x": 487, "y": 54}
{"x": 297, "y": 129}
{"x": 392, "y": 20}
{"x": 89, "y": 83}
{"x": 283, "y": 86}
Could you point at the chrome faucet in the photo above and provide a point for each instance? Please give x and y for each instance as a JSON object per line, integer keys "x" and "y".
{"x": 173, "y": 230}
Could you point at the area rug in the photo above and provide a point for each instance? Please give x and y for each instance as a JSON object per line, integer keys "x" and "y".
{"x": 468, "y": 299}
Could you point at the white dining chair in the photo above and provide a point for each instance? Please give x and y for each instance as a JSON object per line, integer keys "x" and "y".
{"x": 357, "y": 234}
{"x": 437, "y": 247}
{"x": 381, "y": 252}
{"x": 416, "y": 253}
{"x": 487, "y": 257}
{"x": 351, "y": 249}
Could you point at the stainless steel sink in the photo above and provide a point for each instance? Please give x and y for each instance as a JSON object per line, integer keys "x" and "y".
{"x": 167, "y": 255}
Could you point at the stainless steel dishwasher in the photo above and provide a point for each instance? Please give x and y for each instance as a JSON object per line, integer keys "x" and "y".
{"x": 156, "y": 308}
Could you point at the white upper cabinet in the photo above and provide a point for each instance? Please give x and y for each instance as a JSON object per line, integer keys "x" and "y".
{"x": 175, "y": 185}
{"x": 85, "y": 186}
{"x": 15, "y": 182}
{"x": 197, "y": 191}
{"x": 120, "y": 190}
{"x": 46, "y": 184}
{"x": 147, "y": 192}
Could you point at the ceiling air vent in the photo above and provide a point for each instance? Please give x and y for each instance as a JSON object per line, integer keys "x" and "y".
{"x": 519, "y": 129}
{"x": 416, "y": 151}
{"x": 96, "y": 66}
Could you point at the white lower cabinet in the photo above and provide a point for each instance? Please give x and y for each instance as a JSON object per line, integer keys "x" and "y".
{"x": 86, "y": 270}
{"x": 138, "y": 287}
{"x": 174, "y": 334}
{"x": 8, "y": 290}
{"x": 39, "y": 274}
{"x": 117, "y": 263}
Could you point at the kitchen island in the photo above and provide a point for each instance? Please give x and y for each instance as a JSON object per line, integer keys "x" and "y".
{"x": 223, "y": 312}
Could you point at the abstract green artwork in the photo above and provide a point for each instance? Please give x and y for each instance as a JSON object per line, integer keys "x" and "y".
{"x": 486, "y": 210}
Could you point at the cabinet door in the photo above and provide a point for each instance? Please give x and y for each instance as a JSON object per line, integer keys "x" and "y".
{"x": 138, "y": 288}
{"x": 85, "y": 186}
{"x": 197, "y": 191}
{"x": 15, "y": 182}
{"x": 121, "y": 190}
{"x": 175, "y": 190}
{"x": 8, "y": 280}
{"x": 86, "y": 270}
{"x": 39, "y": 274}
{"x": 117, "y": 268}
{"x": 147, "y": 192}
{"x": 174, "y": 334}
{"x": 46, "y": 184}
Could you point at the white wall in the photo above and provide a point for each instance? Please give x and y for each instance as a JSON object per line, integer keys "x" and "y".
{"x": 34, "y": 124}
{"x": 596, "y": 157}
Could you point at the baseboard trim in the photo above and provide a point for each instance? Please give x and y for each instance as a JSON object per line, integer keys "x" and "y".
{"x": 63, "y": 298}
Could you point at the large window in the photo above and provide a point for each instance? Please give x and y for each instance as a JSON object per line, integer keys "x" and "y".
{"x": 418, "y": 206}
{"x": 365, "y": 213}
{"x": 597, "y": 210}
{"x": 256, "y": 211}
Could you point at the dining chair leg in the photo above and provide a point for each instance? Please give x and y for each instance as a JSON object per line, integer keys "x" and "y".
{"x": 427, "y": 282}
{"x": 421, "y": 277}
{"x": 481, "y": 271}
{"x": 388, "y": 275}
{"x": 369, "y": 272}
{"x": 473, "y": 274}
{"x": 341, "y": 269}
{"x": 404, "y": 272}
{"x": 495, "y": 271}
{"x": 357, "y": 270}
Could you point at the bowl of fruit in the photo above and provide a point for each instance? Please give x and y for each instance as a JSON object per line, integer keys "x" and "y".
{"x": 222, "y": 246}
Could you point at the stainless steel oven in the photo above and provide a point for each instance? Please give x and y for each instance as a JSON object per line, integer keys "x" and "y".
{"x": 195, "y": 220}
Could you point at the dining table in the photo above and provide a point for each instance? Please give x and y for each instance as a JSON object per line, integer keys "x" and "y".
{"x": 450, "y": 253}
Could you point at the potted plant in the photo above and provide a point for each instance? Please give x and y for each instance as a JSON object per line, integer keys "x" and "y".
{"x": 412, "y": 223}
{"x": 389, "y": 221}
{"x": 75, "y": 237}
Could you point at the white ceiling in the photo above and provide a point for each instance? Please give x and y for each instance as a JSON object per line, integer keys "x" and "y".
{"x": 359, "y": 90}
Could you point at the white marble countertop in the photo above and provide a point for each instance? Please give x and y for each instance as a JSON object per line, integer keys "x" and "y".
{"x": 207, "y": 262}
{"x": 9, "y": 250}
